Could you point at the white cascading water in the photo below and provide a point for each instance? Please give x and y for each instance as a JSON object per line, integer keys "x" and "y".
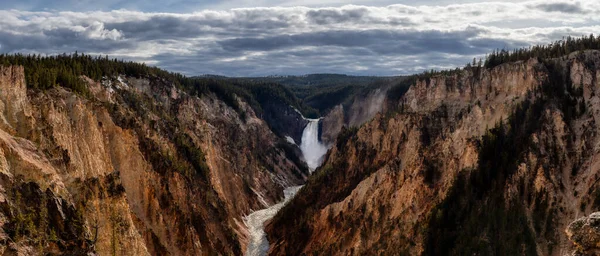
{"x": 313, "y": 151}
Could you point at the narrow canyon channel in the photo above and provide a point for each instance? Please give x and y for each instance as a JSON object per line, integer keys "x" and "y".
{"x": 313, "y": 151}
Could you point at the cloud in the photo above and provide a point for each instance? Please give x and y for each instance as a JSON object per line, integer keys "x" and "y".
{"x": 561, "y": 7}
{"x": 377, "y": 42}
{"x": 333, "y": 15}
{"x": 369, "y": 40}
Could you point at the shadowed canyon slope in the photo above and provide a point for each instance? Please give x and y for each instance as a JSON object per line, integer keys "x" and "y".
{"x": 487, "y": 161}
{"x": 134, "y": 167}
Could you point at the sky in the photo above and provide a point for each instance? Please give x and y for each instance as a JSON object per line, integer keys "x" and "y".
{"x": 291, "y": 37}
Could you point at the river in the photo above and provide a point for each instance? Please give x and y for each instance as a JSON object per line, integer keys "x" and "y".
{"x": 313, "y": 151}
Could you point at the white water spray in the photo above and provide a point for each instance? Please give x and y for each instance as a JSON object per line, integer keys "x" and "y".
{"x": 312, "y": 149}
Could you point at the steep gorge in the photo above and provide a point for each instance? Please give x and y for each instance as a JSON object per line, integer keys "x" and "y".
{"x": 137, "y": 167}
{"x": 492, "y": 160}
{"x": 479, "y": 161}
{"x": 313, "y": 151}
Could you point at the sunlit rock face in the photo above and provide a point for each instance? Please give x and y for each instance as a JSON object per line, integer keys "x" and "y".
{"x": 137, "y": 167}
{"x": 406, "y": 172}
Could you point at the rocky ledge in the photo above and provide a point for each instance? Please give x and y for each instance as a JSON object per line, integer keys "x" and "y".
{"x": 585, "y": 234}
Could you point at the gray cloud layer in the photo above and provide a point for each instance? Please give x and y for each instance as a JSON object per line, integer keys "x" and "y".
{"x": 396, "y": 39}
{"x": 562, "y": 7}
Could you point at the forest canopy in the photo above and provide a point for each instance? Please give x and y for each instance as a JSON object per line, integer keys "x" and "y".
{"x": 554, "y": 50}
{"x": 313, "y": 95}
{"x": 66, "y": 70}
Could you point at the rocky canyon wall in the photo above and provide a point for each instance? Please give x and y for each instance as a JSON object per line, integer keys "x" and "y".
{"x": 361, "y": 109}
{"x": 138, "y": 167}
{"x": 484, "y": 161}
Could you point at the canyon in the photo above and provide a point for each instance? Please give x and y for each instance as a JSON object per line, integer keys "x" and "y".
{"x": 137, "y": 167}
{"x": 479, "y": 160}
{"x": 492, "y": 161}
{"x": 312, "y": 151}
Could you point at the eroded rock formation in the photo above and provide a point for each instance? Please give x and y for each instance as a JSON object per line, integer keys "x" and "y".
{"x": 585, "y": 234}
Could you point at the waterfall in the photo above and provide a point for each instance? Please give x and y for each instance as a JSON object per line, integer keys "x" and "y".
{"x": 312, "y": 149}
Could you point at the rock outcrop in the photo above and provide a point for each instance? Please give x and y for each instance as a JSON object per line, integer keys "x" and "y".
{"x": 585, "y": 234}
{"x": 138, "y": 167}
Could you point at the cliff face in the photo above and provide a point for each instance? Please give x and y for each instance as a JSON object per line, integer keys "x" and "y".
{"x": 137, "y": 167}
{"x": 284, "y": 120}
{"x": 361, "y": 109}
{"x": 476, "y": 162}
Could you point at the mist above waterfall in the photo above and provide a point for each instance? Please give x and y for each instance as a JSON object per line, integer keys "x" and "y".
{"x": 312, "y": 149}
